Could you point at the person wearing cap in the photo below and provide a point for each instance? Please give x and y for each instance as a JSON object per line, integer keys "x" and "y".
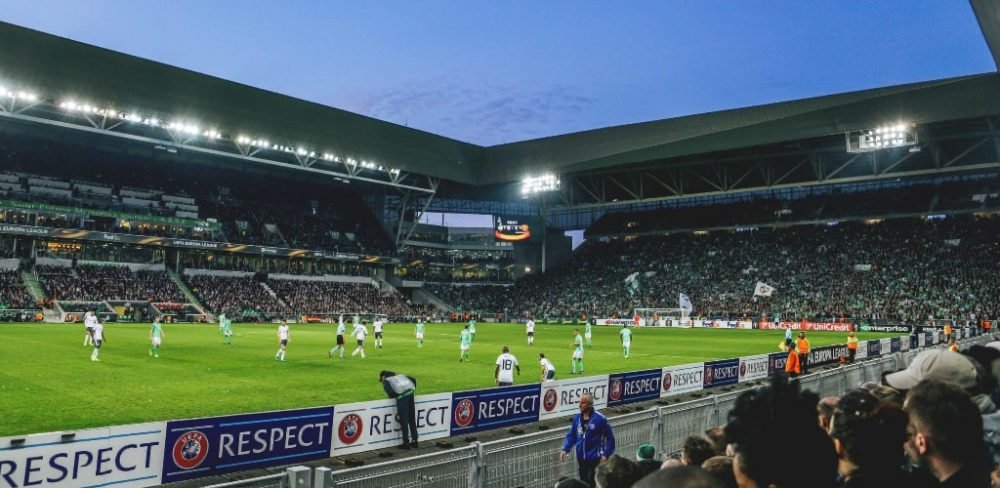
{"x": 803, "y": 346}
{"x": 646, "y": 457}
{"x": 402, "y": 388}
{"x": 945, "y": 435}
{"x": 962, "y": 370}
{"x": 852, "y": 347}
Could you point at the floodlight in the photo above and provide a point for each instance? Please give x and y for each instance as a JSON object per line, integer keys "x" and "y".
{"x": 882, "y": 137}
{"x": 539, "y": 184}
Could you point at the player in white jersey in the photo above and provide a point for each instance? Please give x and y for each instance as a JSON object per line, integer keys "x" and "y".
{"x": 98, "y": 339}
{"x": 529, "y": 328}
{"x": 89, "y": 319}
{"x": 548, "y": 369}
{"x": 377, "y": 329}
{"x": 504, "y": 372}
{"x": 360, "y": 331}
{"x": 341, "y": 329}
{"x": 284, "y": 336}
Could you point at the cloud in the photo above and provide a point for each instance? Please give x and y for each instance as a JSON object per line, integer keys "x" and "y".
{"x": 482, "y": 113}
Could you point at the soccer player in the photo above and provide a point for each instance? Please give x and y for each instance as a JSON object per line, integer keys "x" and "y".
{"x": 226, "y": 329}
{"x": 155, "y": 337}
{"x": 284, "y": 335}
{"x": 587, "y": 334}
{"x": 577, "y": 352}
{"x": 548, "y": 369}
{"x": 529, "y": 327}
{"x": 98, "y": 339}
{"x": 472, "y": 328}
{"x": 465, "y": 342}
{"x": 89, "y": 319}
{"x": 504, "y": 372}
{"x": 377, "y": 328}
{"x": 420, "y": 332}
{"x": 626, "y": 336}
{"x": 360, "y": 331}
{"x": 341, "y": 328}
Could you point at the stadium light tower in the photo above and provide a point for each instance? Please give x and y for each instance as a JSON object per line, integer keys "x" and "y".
{"x": 901, "y": 134}
{"x": 532, "y": 185}
{"x": 540, "y": 185}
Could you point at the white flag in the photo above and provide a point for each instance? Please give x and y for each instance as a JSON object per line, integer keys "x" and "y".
{"x": 632, "y": 283}
{"x": 684, "y": 303}
{"x": 763, "y": 290}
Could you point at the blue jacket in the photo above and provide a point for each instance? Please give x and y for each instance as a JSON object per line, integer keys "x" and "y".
{"x": 593, "y": 442}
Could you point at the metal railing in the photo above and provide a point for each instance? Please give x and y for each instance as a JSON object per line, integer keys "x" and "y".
{"x": 532, "y": 460}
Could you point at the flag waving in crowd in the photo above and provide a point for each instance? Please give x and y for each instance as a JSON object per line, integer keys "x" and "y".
{"x": 632, "y": 284}
{"x": 763, "y": 290}
{"x": 684, "y": 303}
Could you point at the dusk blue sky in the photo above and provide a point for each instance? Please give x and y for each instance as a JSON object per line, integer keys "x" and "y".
{"x": 496, "y": 72}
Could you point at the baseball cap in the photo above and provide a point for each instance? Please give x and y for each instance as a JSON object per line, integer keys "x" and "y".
{"x": 645, "y": 452}
{"x": 940, "y": 364}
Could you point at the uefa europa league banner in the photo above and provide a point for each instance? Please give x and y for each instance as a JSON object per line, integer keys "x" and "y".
{"x": 637, "y": 386}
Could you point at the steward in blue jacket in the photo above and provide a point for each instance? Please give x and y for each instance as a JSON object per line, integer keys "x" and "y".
{"x": 592, "y": 438}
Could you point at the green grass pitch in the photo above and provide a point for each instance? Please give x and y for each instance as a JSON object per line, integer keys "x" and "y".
{"x": 48, "y": 383}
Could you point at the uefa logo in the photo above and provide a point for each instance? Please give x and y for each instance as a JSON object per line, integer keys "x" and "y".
{"x": 708, "y": 375}
{"x": 465, "y": 411}
{"x": 616, "y": 390}
{"x": 743, "y": 369}
{"x": 350, "y": 429}
{"x": 668, "y": 379}
{"x": 550, "y": 400}
{"x": 190, "y": 449}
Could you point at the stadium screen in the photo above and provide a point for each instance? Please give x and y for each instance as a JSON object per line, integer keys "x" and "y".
{"x": 517, "y": 229}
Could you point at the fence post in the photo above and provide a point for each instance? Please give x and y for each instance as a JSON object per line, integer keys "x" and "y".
{"x": 478, "y": 475}
{"x": 716, "y": 415}
{"x": 299, "y": 477}
{"x": 657, "y": 438}
{"x": 321, "y": 478}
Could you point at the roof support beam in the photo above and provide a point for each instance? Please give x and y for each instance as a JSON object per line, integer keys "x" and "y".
{"x": 967, "y": 151}
{"x": 185, "y": 145}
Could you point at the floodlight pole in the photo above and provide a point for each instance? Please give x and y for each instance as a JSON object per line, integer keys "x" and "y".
{"x": 545, "y": 232}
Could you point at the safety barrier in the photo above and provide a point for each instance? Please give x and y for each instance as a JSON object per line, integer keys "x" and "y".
{"x": 533, "y": 460}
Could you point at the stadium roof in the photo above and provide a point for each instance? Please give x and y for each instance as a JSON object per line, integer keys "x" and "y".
{"x": 68, "y": 68}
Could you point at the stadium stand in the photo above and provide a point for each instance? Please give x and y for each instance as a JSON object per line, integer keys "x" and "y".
{"x": 95, "y": 195}
{"x": 329, "y": 297}
{"x": 97, "y": 283}
{"x": 827, "y": 205}
{"x": 12, "y": 293}
{"x": 902, "y": 269}
{"x": 242, "y": 298}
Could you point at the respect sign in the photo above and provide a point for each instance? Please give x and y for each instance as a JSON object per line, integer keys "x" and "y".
{"x": 210, "y": 446}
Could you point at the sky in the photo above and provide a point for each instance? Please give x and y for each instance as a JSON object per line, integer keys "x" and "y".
{"x": 497, "y": 72}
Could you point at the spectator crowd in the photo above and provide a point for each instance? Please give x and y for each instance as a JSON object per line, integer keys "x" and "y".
{"x": 906, "y": 270}
{"x": 12, "y": 292}
{"x": 932, "y": 424}
{"x": 97, "y": 283}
